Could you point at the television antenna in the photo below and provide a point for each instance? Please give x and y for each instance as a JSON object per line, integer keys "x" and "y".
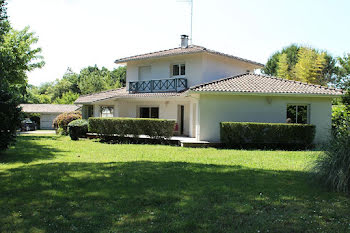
{"x": 191, "y": 5}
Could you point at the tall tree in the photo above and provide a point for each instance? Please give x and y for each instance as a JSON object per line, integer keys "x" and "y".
{"x": 16, "y": 58}
{"x": 310, "y": 66}
{"x": 283, "y": 70}
{"x": 302, "y": 64}
{"x": 291, "y": 59}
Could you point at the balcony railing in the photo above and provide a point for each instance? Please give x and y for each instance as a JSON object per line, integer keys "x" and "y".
{"x": 161, "y": 85}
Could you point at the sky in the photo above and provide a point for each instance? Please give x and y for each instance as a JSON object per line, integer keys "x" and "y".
{"x": 79, "y": 33}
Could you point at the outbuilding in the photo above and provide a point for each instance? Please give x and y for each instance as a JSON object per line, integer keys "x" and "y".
{"x": 48, "y": 112}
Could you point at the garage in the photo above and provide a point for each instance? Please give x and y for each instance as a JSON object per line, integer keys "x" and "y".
{"x": 48, "y": 112}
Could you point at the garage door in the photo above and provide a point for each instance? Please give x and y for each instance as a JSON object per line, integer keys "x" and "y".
{"x": 46, "y": 121}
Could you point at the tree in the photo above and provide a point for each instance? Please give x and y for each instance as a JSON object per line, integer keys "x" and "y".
{"x": 343, "y": 77}
{"x": 302, "y": 64}
{"x": 67, "y": 98}
{"x": 16, "y": 58}
{"x": 310, "y": 66}
{"x": 283, "y": 70}
{"x": 291, "y": 59}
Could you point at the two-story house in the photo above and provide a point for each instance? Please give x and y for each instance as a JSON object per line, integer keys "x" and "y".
{"x": 200, "y": 88}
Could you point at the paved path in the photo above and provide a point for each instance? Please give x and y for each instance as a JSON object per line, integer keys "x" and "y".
{"x": 39, "y": 132}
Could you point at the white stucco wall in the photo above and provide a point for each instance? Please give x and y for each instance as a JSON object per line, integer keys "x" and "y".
{"x": 168, "y": 108}
{"x": 161, "y": 68}
{"x": 217, "y": 108}
{"x": 200, "y": 68}
{"x": 217, "y": 67}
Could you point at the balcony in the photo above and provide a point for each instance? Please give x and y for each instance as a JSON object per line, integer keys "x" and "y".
{"x": 161, "y": 85}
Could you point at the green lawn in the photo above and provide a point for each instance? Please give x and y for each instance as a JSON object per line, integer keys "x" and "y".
{"x": 53, "y": 184}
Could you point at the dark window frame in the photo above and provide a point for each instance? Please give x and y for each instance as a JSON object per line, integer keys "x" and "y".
{"x": 179, "y": 71}
{"x": 299, "y": 108}
{"x": 152, "y": 112}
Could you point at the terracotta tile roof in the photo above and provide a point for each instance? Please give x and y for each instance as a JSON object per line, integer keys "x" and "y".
{"x": 121, "y": 93}
{"x": 180, "y": 51}
{"x": 49, "y": 108}
{"x": 255, "y": 83}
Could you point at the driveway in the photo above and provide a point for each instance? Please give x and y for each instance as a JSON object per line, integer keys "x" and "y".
{"x": 39, "y": 132}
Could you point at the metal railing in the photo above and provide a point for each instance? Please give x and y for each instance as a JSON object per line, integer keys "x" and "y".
{"x": 159, "y": 85}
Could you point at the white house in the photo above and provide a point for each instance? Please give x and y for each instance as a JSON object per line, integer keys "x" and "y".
{"x": 200, "y": 88}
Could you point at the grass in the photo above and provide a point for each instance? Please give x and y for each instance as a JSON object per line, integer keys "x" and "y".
{"x": 52, "y": 184}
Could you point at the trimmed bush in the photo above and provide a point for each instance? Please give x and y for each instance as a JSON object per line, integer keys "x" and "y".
{"x": 332, "y": 168}
{"x": 61, "y": 121}
{"x": 251, "y": 133}
{"x": 155, "y": 128}
{"x": 78, "y": 129}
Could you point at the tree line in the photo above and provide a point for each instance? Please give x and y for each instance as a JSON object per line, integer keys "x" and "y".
{"x": 309, "y": 65}
{"x": 67, "y": 89}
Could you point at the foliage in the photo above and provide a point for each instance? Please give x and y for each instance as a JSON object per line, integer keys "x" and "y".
{"x": 10, "y": 118}
{"x": 291, "y": 55}
{"x": 343, "y": 78}
{"x": 67, "y": 90}
{"x": 17, "y": 57}
{"x": 302, "y": 64}
{"x": 67, "y": 98}
{"x": 242, "y": 133}
{"x": 78, "y": 129}
{"x": 155, "y": 128}
{"x": 92, "y": 79}
{"x": 61, "y": 122}
{"x": 340, "y": 119}
{"x": 310, "y": 66}
{"x": 60, "y": 185}
{"x": 333, "y": 168}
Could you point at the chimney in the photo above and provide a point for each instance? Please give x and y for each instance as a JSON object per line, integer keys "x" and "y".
{"x": 184, "y": 41}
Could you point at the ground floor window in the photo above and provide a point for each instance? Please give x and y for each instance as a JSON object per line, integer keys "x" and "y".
{"x": 297, "y": 113}
{"x": 149, "y": 112}
{"x": 107, "y": 111}
{"x": 88, "y": 111}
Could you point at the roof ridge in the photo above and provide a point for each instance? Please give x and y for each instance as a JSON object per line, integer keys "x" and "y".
{"x": 187, "y": 50}
{"x": 103, "y": 91}
{"x": 160, "y": 51}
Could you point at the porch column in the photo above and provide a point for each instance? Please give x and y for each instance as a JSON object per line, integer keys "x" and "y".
{"x": 191, "y": 134}
{"x": 194, "y": 120}
{"x": 116, "y": 109}
{"x": 97, "y": 110}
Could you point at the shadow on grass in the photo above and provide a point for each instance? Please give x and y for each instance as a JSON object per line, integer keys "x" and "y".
{"x": 165, "y": 197}
{"x": 28, "y": 149}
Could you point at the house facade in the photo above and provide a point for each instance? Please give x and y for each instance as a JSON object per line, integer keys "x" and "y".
{"x": 199, "y": 88}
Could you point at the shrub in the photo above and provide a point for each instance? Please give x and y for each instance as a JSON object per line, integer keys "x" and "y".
{"x": 333, "y": 166}
{"x": 245, "y": 133}
{"x": 155, "y": 128}
{"x": 78, "y": 129}
{"x": 340, "y": 119}
{"x": 61, "y": 121}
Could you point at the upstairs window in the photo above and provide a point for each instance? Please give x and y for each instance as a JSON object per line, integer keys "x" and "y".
{"x": 298, "y": 114}
{"x": 179, "y": 69}
{"x": 107, "y": 111}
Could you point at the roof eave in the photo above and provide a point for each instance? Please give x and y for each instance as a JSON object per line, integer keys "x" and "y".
{"x": 265, "y": 94}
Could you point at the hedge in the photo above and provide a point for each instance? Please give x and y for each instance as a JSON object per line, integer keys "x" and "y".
{"x": 155, "y": 128}
{"x": 242, "y": 133}
{"x": 78, "y": 129}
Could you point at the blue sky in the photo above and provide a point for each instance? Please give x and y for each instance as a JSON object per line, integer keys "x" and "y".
{"x": 78, "y": 33}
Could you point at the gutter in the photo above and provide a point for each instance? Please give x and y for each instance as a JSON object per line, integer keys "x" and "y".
{"x": 263, "y": 94}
